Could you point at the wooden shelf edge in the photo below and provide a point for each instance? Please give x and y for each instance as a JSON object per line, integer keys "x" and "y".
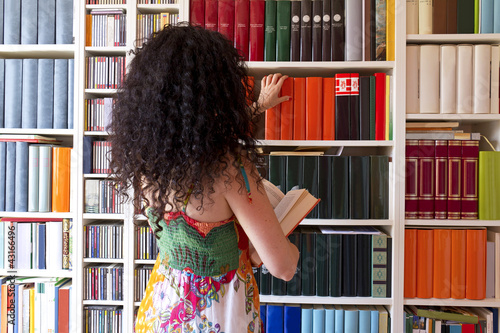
{"x": 325, "y": 300}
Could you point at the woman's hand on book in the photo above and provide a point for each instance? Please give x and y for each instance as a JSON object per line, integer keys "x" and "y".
{"x": 269, "y": 91}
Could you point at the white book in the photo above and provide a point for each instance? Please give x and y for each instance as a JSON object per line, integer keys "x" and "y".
{"x": 45, "y": 181}
{"x": 53, "y": 255}
{"x": 481, "y": 76}
{"x": 448, "y": 79}
{"x": 429, "y": 79}
{"x": 10, "y": 245}
{"x": 425, "y": 17}
{"x": 110, "y": 33}
{"x": 438, "y": 326}
{"x": 412, "y": 16}
{"x": 25, "y": 322}
{"x": 33, "y": 178}
{"x": 24, "y": 245}
{"x": 495, "y": 77}
{"x": 484, "y": 314}
{"x": 50, "y": 291}
{"x": 412, "y": 69}
{"x": 464, "y": 78}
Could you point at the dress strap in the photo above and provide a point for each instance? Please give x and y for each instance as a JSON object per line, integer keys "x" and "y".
{"x": 184, "y": 205}
{"x": 247, "y": 184}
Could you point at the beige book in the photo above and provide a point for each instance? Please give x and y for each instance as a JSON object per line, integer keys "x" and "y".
{"x": 481, "y": 74}
{"x": 429, "y": 79}
{"x": 412, "y": 16}
{"x": 448, "y": 79}
{"x": 495, "y": 237}
{"x": 412, "y": 69}
{"x": 464, "y": 78}
{"x": 495, "y": 76}
{"x": 425, "y": 17}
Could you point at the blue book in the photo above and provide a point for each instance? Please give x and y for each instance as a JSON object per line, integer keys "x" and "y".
{"x": 16, "y": 306}
{"x": 454, "y": 328}
{"x": 1, "y": 21}
{"x": 47, "y": 22}
{"x": 41, "y": 245}
{"x": 263, "y": 314}
{"x": 486, "y": 17}
{"x": 351, "y": 319}
{"x": 60, "y": 93}
{"x": 64, "y": 21}
{"x": 29, "y": 21}
{"x": 3, "y": 148}
{"x": 21, "y": 192}
{"x": 364, "y": 319}
{"x": 496, "y": 18}
{"x": 45, "y": 110}
{"x": 2, "y": 80}
{"x": 306, "y": 320}
{"x": 318, "y": 319}
{"x": 71, "y": 92}
{"x": 292, "y": 314}
{"x": 13, "y": 90}
{"x": 374, "y": 318}
{"x": 339, "y": 319}
{"x": 495, "y": 318}
{"x": 329, "y": 318}
{"x": 12, "y": 22}
{"x": 29, "y": 93}
{"x": 274, "y": 318}
{"x": 10, "y": 177}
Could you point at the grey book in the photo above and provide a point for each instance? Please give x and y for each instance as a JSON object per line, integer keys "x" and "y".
{"x": 29, "y": 21}
{"x": 64, "y": 21}
{"x": 13, "y": 88}
{"x": 21, "y": 195}
{"x": 2, "y": 89}
{"x": 10, "y": 177}
{"x": 45, "y": 108}
{"x": 47, "y": 22}
{"x": 12, "y": 22}
{"x": 44, "y": 180}
{"x": 60, "y": 93}
{"x": 354, "y": 30}
{"x": 33, "y": 177}
{"x": 29, "y": 93}
{"x": 3, "y": 148}
{"x": 1, "y": 21}
{"x": 71, "y": 92}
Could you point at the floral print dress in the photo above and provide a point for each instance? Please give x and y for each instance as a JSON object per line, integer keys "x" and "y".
{"x": 202, "y": 280}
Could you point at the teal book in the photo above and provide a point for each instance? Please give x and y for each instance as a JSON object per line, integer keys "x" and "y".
{"x": 29, "y": 93}
{"x": 270, "y": 31}
{"x": 379, "y": 187}
{"x": 325, "y": 187}
{"x": 364, "y": 319}
{"x": 329, "y": 318}
{"x": 310, "y": 181}
{"x": 277, "y": 171}
{"x": 306, "y": 323}
{"x": 359, "y": 187}
{"x": 374, "y": 320}
{"x": 318, "y": 319}
{"x": 321, "y": 256}
{"x": 308, "y": 263}
{"x": 29, "y": 22}
{"x": 351, "y": 319}
{"x": 292, "y": 314}
{"x": 295, "y": 172}
{"x": 487, "y": 14}
{"x": 339, "y": 319}
{"x": 340, "y": 187}
{"x": 496, "y": 18}
{"x": 274, "y": 318}
{"x": 335, "y": 265}
{"x": 283, "y": 22}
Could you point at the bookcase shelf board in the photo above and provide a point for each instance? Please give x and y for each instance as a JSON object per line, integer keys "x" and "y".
{"x": 464, "y": 118}
{"x": 37, "y": 131}
{"x": 19, "y": 51}
{"x": 89, "y": 7}
{"x": 104, "y": 302}
{"x": 96, "y": 133}
{"x": 453, "y": 38}
{"x": 107, "y": 50}
{"x": 453, "y": 223}
{"x": 324, "y": 143}
{"x": 325, "y": 300}
{"x": 144, "y": 261}
{"x": 38, "y": 273}
{"x": 318, "y": 222}
{"x": 104, "y": 261}
{"x": 95, "y": 175}
{"x": 489, "y": 302}
{"x": 154, "y": 9}
{"x": 48, "y": 215}
{"x": 101, "y": 92}
{"x": 89, "y": 216}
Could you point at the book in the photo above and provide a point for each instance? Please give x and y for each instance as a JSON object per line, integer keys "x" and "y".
{"x": 328, "y": 107}
{"x": 286, "y": 107}
{"x": 380, "y": 107}
{"x": 13, "y": 90}
{"x": 447, "y": 313}
{"x": 225, "y": 16}
{"x": 61, "y": 159}
{"x": 425, "y": 17}
{"x": 256, "y": 30}
{"x": 412, "y": 74}
{"x": 21, "y": 177}
{"x": 429, "y": 78}
{"x": 448, "y": 79}
{"x": 290, "y": 209}
{"x": 338, "y": 30}
{"x": 464, "y": 78}
{"x": 241, "y": 27}
{"x": 475, "y": 279}
{"x": 29, "y": 92}
{"x": 211, "y": 15}
{"x": 412, "y": 7}
{"x": 353, "y": 30}
{"x": 291, "y": 318}
{"x": 489, "y": 185}
{"x": 317, "y": 30}
{"x": 299, "y": 106}
{"x": 354, "y": 115}
{"x": 270, "y": 31}
{"x": 454, "y": 179}
{"x": 197, "y": 12}
{"x": 326, "y": 35}
{"x": 465, "y": 21}
{"x": 283, "y": 25}
{"x": 306, "y": 30}
{"x": 469, "y": 175}
{"x": 314, "y": 103}
{"x": 342, "y": 106}
{"x": 295, "y": 30}
{"x": 481, "y": 79}
{"x": 47, "y": 22}
{"x": 425, "y": 241}
{"x": 12, "y": 22}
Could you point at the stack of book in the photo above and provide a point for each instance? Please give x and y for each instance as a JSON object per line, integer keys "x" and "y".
{"x": 102, "y": 197}
{"x": 142, "y": 275}
{"x": 104, "y": 72}
{"x": 103, "y": 241}
{"x": 106, "y": 28}
{"x": 147, "y": 24}
{"x": 147, "y": 246}
{"x": 103, "y": 282}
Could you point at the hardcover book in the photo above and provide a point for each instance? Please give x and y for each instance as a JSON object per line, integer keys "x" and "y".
{"x": 256, "y": 32}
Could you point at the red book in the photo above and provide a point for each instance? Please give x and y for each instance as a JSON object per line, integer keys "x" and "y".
{"x": 412, "y": 183}
{"x": 314, "y": 103}
{"x": 441, "y": 180}
{"x": 380, "y": 97}
{"x": 287, "y": 110}
{"x": 241, "y": 27}
{"x": 299, "y": 108}
{"x": 211, "y": 15}
{"x": 410, "y": 280}
{"x": 426, "y": 172}
{"x": 197, "y": 12}
{"x": 454, "y": 178}
{"x": 468, "y": 328}
{"x": 328, "y": 108}
{"x": 226, "y": 18}
{"x": 470, "y": 160}
{"x": 425, "y": 242}
{"x": 256, "y": 47}
{"x": 475, "y": 279}
{"x": 63, "y": 311}
{"x": 273, "y": 123}
{"x": 458, "y": 258}
{"x": 342, "y": 98}
{"x": 441, "y": 287}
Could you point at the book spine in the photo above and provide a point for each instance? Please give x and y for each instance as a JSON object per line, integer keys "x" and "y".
{"x": 33, "y": 178}
{"x": 364, "y": 108}
{"x": 475, "y": 280}
{"x": 10, "y": 177}
{"x": 379, "y": 261}
{"x": 21, "y": 180}
{"x": 425, "y": 17}
{"x": 322, "y": 260}
{"x": 293, "y": 287}
{"x": 12, "y": 22}
{"x": 465, "y": 17}
{"x": 448, "y": 79}
{"x": 469, "y": 171}
{"x": 310, "y": 180}
{"x": 294, "y": 172}
{"x": 426, "y": 173}
{"x": 412, "y": 179}
{"x": 354, "y": 116}
{"x": 325, "y": 187}
{"x": 359, "y": 187}
{"x": 295, "y": 29}
{"x": 380, "y": 107}
{"x": 29, "y": 93}
{"x": 314, "y": 103}
{"x": 342, "y": 108}
{"x": 3, "y": 164}
{"x": 380, "y": 29}
{"x": 338, "y": 30}
{"x": 305, "y": 30}
{"x": 340, "y": 187}
{"x": 64, "y": 22}
{"x": 241, "y": 27}
{"x": 270, "y": 31}
{"x": 13, "y": 89}
{"x": 226, "y": 13}
{"x": 458, "y": 262}
{"x": 464, "y": 78}
{"x": 308, "y": 264}
{"x": 45, "y": 111}
{"x": 60, "y": 93}
{"x": 334, "y": 265}
{"x": 441, "y": 179}
{"x": 390, "y": 30}
{"x": 277, "y": 171}
{"x": 487, "y": 14}
{"x": 425, "y": 241}
{"x": 283, "y": 21}
{"x": 454, "y": 178}
{"x": 286, "y": 114}
{"x": 429, "y": 79}
{"x": 211, "y": 8}
{"x": 328, "y": 108}
{"x": 481, "y": 76}
{"x": 412, "y": 16}
{"x": 256, "y": 31}
{"x": 317, "y": 30}
{"x": 47, "y": 22}
{"x": 379, "y": 187}
{"x": 363, "y": 265}
{"x": 441, "y": 287}
{"x": 354, "y": 30}
{"x": 299, "y": 108}
{"x": 451, "y": 17}
{"x": 349, "y": 259}
{"x": 412, "y": 81}
{"x": 495, "y": 86}
{"x": 488, "y": 185}
{"x": 197, "y": 12}
{"x": 326, "y": 35}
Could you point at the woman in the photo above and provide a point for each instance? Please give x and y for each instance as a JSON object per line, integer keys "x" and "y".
{"x": 182, "y": 141}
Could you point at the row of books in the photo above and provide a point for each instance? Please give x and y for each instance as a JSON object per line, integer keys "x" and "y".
{"x": 100, "y": 161}
{"x": 423, "y": 319}
{"x": 141, "y": 275}
{"x": 147, "y": 24}
{"x": 101, "y": 197}
{"x": 98, "y": 113}
{"x": 103, "y": 319}
{"x": 104, "y": 72}
{"x": 335, "y": 262}
{"x": 37, "y": 22}
{"x": 36, "y": 303}
{"x": 103, "y": 241}
{"x": 344, "y": 107}
{"x": 146, "y": 246}
{"x": 326, "y": 30}
{"x": 451, "y": 17}
{"x": 37, "y": 93}
{"x": 34, "y": 178}
{"x": 447, "y": 263}
{"x": 35, "y": 243}
{"x": 103, "y": 282}
{"x": 295, "y": 318}
{"x": 106, "y": 2}
{"x": 156, "y": 2}
{"x": 441, "y": 179}
{"x": 106, "y": 27}
{"x": 350, "y": 187}
{"x": 452, "y": 78}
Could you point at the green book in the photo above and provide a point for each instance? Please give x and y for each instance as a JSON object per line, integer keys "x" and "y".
{"x": 465, "y": 16}
{"x": 340, "y": 187}
{"x": 308, "y": 263}
{"x": 489, "y": 185}
{"x": 379, "y": 265}
{"x": 379, "y": 187}
{"x": 321, "y": 257}
{"x": 310, "y": 180}
{"x": 448, "y": 313}
{"x": 372, "y": 107}
{"x": 334, "y": 265}
{"x": 283, "y": 21}
{"x": 476, "y": 16}
{"x": 277, "y": 171}
{"x": 293, "y": 286}
{"x": 270, "y": 31}
{"x": 295, "y": 172}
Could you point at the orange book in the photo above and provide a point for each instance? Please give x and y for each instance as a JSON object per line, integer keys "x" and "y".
{"x": 458, "y": 257}
{"x": 441, "y": 284}
{"x": 299, "y": 108}
{"x": 314, "y": 103}
{"x": 88, "y": 30}
{"x": 273, "y": 123}
{"x": 287, "y": 110}
{"x": 410, "y": 277}
{"x": 475, "y": 270}
{"x": 61, "y": 166}
{"x": 329, "y": 108}
{"x": 63, "y": 311}
{"x": 3, "y": 311}
{"x": 425, "y": 243}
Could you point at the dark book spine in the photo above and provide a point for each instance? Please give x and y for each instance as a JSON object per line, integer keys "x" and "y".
{"x": 326, "y": 38}
{"x": 338, "y": 30}
{"x": 370, "y": 31}
{"x": 305, "y": 30}
{"x": 354, "y": 120}
{"x": 465, "y": 17}
{"x": 256, "y": 275}
{"x": 325, "y": 187}
{"x": 364, "y": 108}
{"x": 265, "y": 281}
{"x": 342, "y": 98}
{"x": 295, "y": 31}
{"x": 359, "y": 187}
{"x": 263, "y": 165}
{"x": 389, "y": 268}
{"x": 334, "y": 265}
{"x": 438, "y": 13}
{"x": 349, "y": 258}
{"x": 317, "y": 30}
{"x": 451, "y": 17}
{"x": 270, "y": 31}
{"x": 294, "y": 172}
{"x": 283, "y": 21}
{"x": 277, "y": 171}
{"x": 379, "y": 187}
{"x": 322, "y": 260}
{"x": 293, "y": 287}
{"x": 340, "y": 187}
{"x": 308, "y": 264}
{"x": 363, "y": 265}
{"x": 278, "y": 286}
{"x": 310, "y": 180}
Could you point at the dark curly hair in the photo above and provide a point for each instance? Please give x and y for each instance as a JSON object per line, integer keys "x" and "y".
{"x": 182, "y": 117}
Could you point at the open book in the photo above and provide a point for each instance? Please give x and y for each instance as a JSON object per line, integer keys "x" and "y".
{"x": 290, "y": 209}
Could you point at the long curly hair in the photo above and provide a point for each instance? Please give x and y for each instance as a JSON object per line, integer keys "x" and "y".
{"x": 182, "y": 118}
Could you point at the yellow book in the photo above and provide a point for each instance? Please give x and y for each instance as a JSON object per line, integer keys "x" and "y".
{"x": 32, "y": 310}
{"x": 390, "y": 39}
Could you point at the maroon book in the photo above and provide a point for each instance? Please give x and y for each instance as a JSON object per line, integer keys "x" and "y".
{"x": 197, "y": 12}
{"x": 411, "y": 188}
{"x": 441, "y": 201}
{"x": 211, "y": 15}
{"x": 241, "y": 26}
{"x": 470, "y": 160}
{"x": 451, "y": 16}
{"x": 226, "y": 18}
{"x": 426, "y": 172}
{"x": 454, "y": 179}
{"x": 256, "y": 31}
